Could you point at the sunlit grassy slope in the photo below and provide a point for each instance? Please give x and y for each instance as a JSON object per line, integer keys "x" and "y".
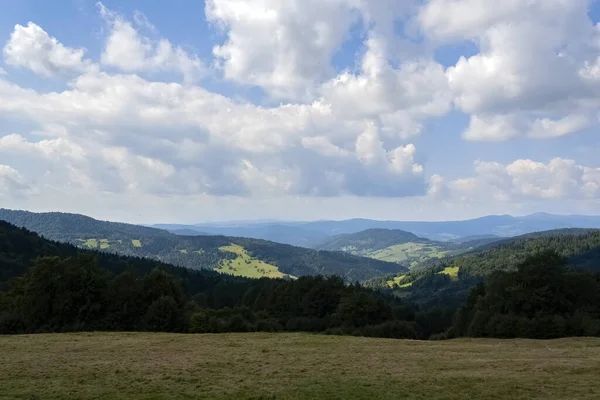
{"x": 293, "y": 366}
{"x": 409, "y": 254}
{"x": 246, "y": 265}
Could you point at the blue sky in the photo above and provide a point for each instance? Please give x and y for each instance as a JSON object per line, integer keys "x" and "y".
{"x": 239, "y": 109}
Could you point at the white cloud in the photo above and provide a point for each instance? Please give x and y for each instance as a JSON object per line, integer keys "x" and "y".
{"x": 530, "y": 67}
{"x": 284, "y": 47}
{"x": 183, "y": 139}
{"x": 345, "y": 132}
{"x": 130, "y": 51}
{"x": 491, "y": 127}
{"x": 527, "y": 180}
{"x": 31, "y": 47}
{"x": 547, "y": 128}
{"x": 12, "y": 184}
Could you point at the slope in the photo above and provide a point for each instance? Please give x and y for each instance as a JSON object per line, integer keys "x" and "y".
{"x": 398, "y": 246}
{"x": 448, "y": 281}
{"x": 19, "y": 247}
{"x": 196, "y": 252}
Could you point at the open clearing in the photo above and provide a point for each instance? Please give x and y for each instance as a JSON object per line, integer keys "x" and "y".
{"x": 246, "y": 265}
{"x": 409, "y": 254}
{"x": 293, "y": 366}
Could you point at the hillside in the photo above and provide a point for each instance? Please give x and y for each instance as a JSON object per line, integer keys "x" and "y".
{"x": 19, "y": 247}
{"x": 449, "y": 280}
{"x": 255, "y": 258}
{"x": 368, "y": 240}
{"x": 399, "y": 246}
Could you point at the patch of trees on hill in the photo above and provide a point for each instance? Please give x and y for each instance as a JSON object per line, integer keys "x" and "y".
{"x": 195, "y": 252}
{"x": 542, "y": 298}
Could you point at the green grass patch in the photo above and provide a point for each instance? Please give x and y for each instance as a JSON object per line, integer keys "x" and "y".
{"x": 136, "y": 243}
{"x": 400, "y": 281}
{"x": 147, "y": 366}
{"x": 91, "y": 243}
{"x": 409, "y": 254}
{"x": 452, "y": 271}
{"x": 246, "y": 265}
{"x": 184, "y": 251}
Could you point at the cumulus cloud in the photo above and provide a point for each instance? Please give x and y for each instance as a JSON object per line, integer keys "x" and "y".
{"x": 531, "y": 62}
{"x": 32, "y": 48}
{"x": 12, "y": 184}
{"x": 130, "y": 51}
{"x": 340, "y": 131}
{"x": 528, "y": 180}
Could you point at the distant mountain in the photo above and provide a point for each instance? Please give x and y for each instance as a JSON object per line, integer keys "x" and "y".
{"x": 294, "y": 235}
{"x": 313, "y": 233}
{"x": 232, "y": 255}
{"x": 399, "y": 246}
{"x": 368, "y": 240}
{"x": 188, "y": 232}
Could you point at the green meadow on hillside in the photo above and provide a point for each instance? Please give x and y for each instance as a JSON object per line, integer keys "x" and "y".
{"x": 410, "y": 253}
{"x": 246, "y": 265}
{"x": 293, "y": 366}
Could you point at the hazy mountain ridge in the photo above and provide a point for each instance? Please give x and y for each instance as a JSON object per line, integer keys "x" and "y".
{"x": 315, "y": 232}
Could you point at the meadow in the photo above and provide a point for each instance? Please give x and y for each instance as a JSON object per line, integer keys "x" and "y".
{"x": 293, "y": 366}
{"x": 409, "y": 254}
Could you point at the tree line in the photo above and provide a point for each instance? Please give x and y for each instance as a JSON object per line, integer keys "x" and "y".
{"x": 64, "y": 294}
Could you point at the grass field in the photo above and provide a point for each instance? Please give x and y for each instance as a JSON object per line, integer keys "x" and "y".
{"x": 450, "y": 271}
{"x": 409, "y": 254}
{"x": 293, "y": 366}
{"x": 136, "y": 243}
{"x": 246, "y": 265}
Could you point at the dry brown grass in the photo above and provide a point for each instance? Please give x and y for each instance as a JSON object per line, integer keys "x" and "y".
{"x": 293, "y": 366}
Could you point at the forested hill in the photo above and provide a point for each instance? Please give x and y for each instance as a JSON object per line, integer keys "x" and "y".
{"x": 19, "y": 247}
{"x": 399, "y": 246}
{"x": 368, "y": 240}
{"x": 236, "y": 256}
{"x": 580, "y": 246}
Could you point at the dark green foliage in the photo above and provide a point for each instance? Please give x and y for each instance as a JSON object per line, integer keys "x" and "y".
{"x": 200, "y": 251}
{"x": 542, "y": 299}
{"x": 580, "y": 246}
{"x": 70, "y": 289}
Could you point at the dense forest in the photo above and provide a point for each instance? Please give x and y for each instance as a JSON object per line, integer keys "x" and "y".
{"x": 195, "y": 252}
{"x": 429, "y": 286}
{"x": 70, "y": 289}
{"x": 541, "y": 298}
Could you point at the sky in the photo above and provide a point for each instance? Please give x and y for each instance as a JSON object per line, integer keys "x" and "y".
{"x": 194, "y": 111}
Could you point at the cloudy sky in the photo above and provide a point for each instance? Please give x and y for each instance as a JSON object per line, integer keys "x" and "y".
{"x": 193, "y": 111}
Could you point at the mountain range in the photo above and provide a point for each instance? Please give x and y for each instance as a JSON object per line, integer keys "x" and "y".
{"x": 314, "y": 234}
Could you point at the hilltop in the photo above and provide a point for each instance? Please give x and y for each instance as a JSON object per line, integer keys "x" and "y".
{"x": 448, "y": 281}
{"x": 231, "y": 255}
{"x": 399, "y": 246}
